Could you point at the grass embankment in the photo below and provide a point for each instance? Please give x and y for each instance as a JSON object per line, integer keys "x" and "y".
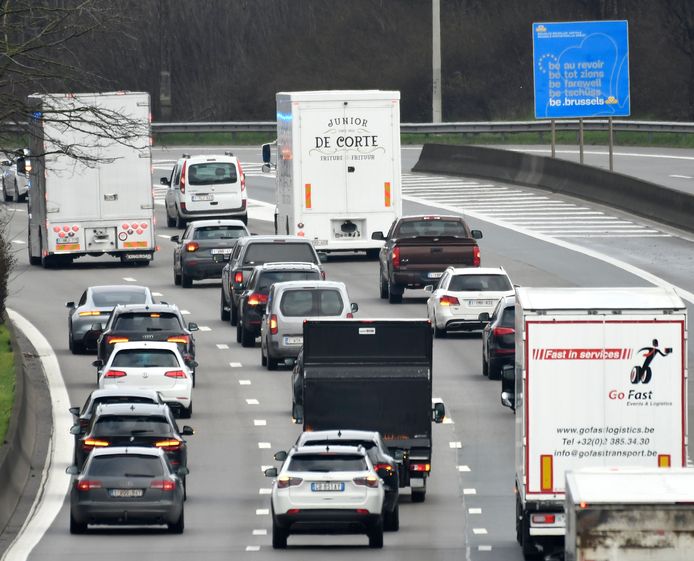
{"x": 590, "y": 138}
{"x": 7, "y": 381}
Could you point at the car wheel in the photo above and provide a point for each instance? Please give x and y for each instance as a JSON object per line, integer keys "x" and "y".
{"x": 187, "y": 412}
{"x": 391, "y": 520}
{"x": 438, "y": 333}
{"x": 180, "y": 221}
{"x": 394, "y": 297}
{"x": 279, "y": 537}
{"x": 32, "y": 259}
{"x": 177, "y": 279}
{"x": 75, "y": 347}
{"x": 372, "y": 253}
{"x": 244, "y": 219}
{"x": 263, "y": 356}
{"x": 186, "y": 280}
{"x": 77, "y": 527}
{"x": 383, "y": 288}
{"x": 223, "y": 312}
{"x": 375, "y": 534}
{"x": 170, "y": 222}
{"x": 193, "y": 376}
{"x": 247, "y": 338}
{"x": 419, "y": 495}
{"x": 238, "y": 331}
{"x": 485, "y": 366}
{"x": 272, "y": 363}
{"x": 234, "y": 313}
{"x": 494, "y": 370}
{"x": 178, "y": 526}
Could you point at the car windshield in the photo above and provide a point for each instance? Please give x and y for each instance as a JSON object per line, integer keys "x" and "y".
{"x": 147, "y": 321}
{"x": 123, "y": 425}
{"x": 311, "y": 302}
{"x": 212, "y": 173}
{"x": 432, "y": 228}
{"x": 218, "y": 232}
{"x": 268, "y": 278}
{"x": 509, "y": 317}
{"x": 480, "y": 283}
{"x": 125, "y": 465}
{"x": 327, "y": 462}
{"x": 112, "y": 297}
{"x": 119, "y": 399}
{"x": 259, "y": 253}
{"x": 146, "y": 358}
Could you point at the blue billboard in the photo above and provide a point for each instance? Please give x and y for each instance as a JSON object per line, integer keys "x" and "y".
{"x": 581, "y": 69}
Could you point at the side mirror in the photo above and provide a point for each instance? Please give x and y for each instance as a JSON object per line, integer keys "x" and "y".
{"x": 354, "y": 307}
{"x": 280, "y": 456}
{"x": 476, "y": 234}
{"x": 75, "y": 411}
{"x": 175, "y": 239}
{"x": 298, "y": 414}
{"x": 378, "y": 236}
{"x": 429, "y": 288}
{"x": 164, "y": 181}
{"x": 192, "y": 326}
{"x": 187, "y": 431}
{"x": 72, "y": 470}
{"x": 322, "y": 257}
{"x": 438, "y": 412}
{"x": 267, "y": 154}
{"x": 75, "y": 429}
{"x": 507, "y": 400}
{"x": 182, "y": 471}
{"x": 69, "y": 304}
{"x": 271, "y": 472}
{"x": 98, "y": 363}
{"x": 193, "y": 364}
{"x": 484, "y": 316}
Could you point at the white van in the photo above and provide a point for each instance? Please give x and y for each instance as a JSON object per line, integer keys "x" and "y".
{"x": 205, "y": 187}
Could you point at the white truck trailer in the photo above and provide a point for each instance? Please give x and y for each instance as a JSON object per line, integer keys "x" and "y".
{"x": 102, "y": 201}
{"x": 600, "y": 380}
{"x": 629, "y": 514}
{"x": 338, "y": 167}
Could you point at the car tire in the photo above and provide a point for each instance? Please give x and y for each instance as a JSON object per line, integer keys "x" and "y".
{"x": 186, "y": 280}
{"x": 170, "y": 222}
{"x": 77, "y": 527}
{"x": 178, "y": 526}
{"x": 223, "y": 312}
{"x": 394, "y": 297}
{"x": 438, "y": 333}
{"x": 272, "y": 363}
{"x": 238, "y": 331}
{"x": 279, "y": 537}
{"x": 234, "y": 313}
{"x": 247, "y": 338}
{"x": 494, "y": 370}
{"x": 75, "y": 347}
{"x": 383, "y": 288}
{"x": 375, "y": 534}
{"x": 263, "y": 356}
{"x": 528, "y": 543}
{"x": 244, "y": 219}
{"x": 391, "y": 520}
{"x": 32, "y": 259}
{"x": 180, "y": 221}
{"x": 187, "y": 412}
{"x": 419, "y": 495}
{"x": 372, "y": 253}
{"x": 177, "y": 278}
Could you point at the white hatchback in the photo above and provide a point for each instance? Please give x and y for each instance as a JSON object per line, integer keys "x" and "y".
{"x": 462, "y": 294}
{"x": 151, "y": 365}
{"x": 326, "y": 490}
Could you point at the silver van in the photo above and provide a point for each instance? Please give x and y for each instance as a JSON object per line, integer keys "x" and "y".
{"x": 289, "y": 304}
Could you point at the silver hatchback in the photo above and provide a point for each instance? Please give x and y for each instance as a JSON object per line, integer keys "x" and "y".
{"x": 289, "y": 305}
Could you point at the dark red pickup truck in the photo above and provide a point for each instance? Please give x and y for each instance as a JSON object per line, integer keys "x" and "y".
{"x": 418, "y": 250}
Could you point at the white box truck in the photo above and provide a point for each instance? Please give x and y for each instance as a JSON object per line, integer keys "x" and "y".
{"x": 102, "y": 202}
{"x": 600, "y": 380}
{"x": 338, "y": 167}
{"x": 627, "y": 514}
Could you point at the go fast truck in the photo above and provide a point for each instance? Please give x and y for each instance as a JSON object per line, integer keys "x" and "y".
{"x": 600, "y": 381}
{"x": 338, "y": 167}
{"x": 91, "y": 182}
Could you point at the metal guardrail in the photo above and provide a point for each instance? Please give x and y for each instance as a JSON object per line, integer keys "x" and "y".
{"x": 450, "y": 128}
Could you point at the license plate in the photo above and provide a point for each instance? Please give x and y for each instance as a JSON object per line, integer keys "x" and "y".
{"x": 297, "y": 340}
{"x": 333, "y": 486}
{"x": 320, "y": 242}
{"x": 125, "y": 493}
{"x": 481, "y": 303}
{"x": 203, "y": 198}
{"x": 222, "y": 251}
{"x": 435, "y": 275}
{"x": 137, "y": 256}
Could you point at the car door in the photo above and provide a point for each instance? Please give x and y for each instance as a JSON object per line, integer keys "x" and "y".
{"x": 439, "y": 289}
{"x": 170, "y": 199}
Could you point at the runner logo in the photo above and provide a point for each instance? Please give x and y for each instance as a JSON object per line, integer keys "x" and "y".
{"x": 644, "y": 373}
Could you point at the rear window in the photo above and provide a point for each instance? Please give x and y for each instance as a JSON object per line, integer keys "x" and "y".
{"x": 111, "y": 298}
{"x": 126, "y": 465}
{"x": 508, "y": 319}
{"x": 268, "y": 278}
{"x": 119, "y": 399}
{"x": 212, "y": 173}
{"x": 366, "y": 444}
{"x": 327, "y": 462}
{"x": 150, "y": 358}
{"x": 119, "y": 425}
{"x": 311, "y": 302}
{"x": 147, "y": 321}
{"x": 480, "y": 283}
{"x": 260, "y": 253}
{"x": 218, "y": 233}
{"x": 432, "y": 228}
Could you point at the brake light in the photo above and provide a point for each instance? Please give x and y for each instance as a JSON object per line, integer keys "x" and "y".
{"x": 501, "y": 331}
{"x": 285, "y": 481}
{"x": 543, "y": 518}
{"x": 192, "y": 246}
{"x": 476, "y": 259}
{"x": 88, "y": 484}
{"x": 91, "y": 313}
{"x": 446, "y": 300}
{"x": 113, "y": 339}
{"x": 293, "y": 511}
{"x": 386, "y": 467}
{"x": 169, "y": 444}
{"x": 178, "y": 339}
{"x": 420, "y": 467}
{"x": 368, "y": 481}
{"x": 182, "y": 185}
{"x": 396, "y": 257}
{"x": 175, "y": 374}
{"x": 362, "y": 511}
{"x": 273, "y": 324}
{"x": 163, "y": 484}
{"x": 243, "y": 177}
{"x": 115, "y": 374}
{"x": 90, "y": 443}
{"x": 257, "y": 298}
{"x": 322, "y": 275}
{"x": 238, "y": 277}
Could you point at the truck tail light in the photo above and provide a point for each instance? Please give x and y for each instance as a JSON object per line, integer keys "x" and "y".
{"x": 183, "y": 339}
{"x": 115, "y": 374}
{"x": 501, "y": 331}
{"x": 88, "y": 484}
{"x": 446, "y": 300}
{"x": 476, "y": 259}
{"x": 664, "y": 460}
{"x": 396, "y": 257}
{"x": 163, "y": 484}
{"x": 192, "y": 246}
{"x": 238, "y": 277}
{"x": 368, "y": 481}
{"x": 175, "y": 374}
{"x": 307, "y": 194}
{"x": 113, "y": 339}
{"x": 543, "y": 518}
{"x": 546, "y": 472}
{"x": 386, "y": 193}
{"x": 420, "y": 467}
{"x": 284, "y": 481}
{"x": 257, "y": 298}
{"x": 182, "y": 184}
{"x": 272, "y": 322}
{"x": 385, "y": 467}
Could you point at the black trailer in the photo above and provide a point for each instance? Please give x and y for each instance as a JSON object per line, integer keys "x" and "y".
{"x": 372, "y": 375}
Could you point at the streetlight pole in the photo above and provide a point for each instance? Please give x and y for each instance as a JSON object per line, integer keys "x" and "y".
{"x": 436, "y": 60}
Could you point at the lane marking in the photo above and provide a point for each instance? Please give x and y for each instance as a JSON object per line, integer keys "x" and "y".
{"x": 18, "y": 241}
{"x": 164, "y": 236}
{"x": 129, "y": 279}
{"x": 469, "y": 491}
{"x": 264, "y": 445}
{"x": 244, "y": 382}
{"x": 252, "y": 401}
{"x": 260, "y": 532}
{"x": 222, "y": 346}
{"x": 456, "y": 444}
{"x": 263, "y": 468}
{"x": 235, "y": 364}
{"x": 474, "y": 511}
{"x": 479, "y": 531}
{"x": 596, "y": 153}
{"x": 484, "y": 548}
{"x": 464, "y": 468}
{"x": 262, "y": 511}
{"x": 204, "y": 328}
{"x": 185, "y": 312}
{"x": 259, "y": 422}
{"x": 448, "y": 421}
{"x": 157, "y": 294}
{"x": 681, "y": 176}
{"x": 265, "y": 491}
{"x": 252, "y": 548}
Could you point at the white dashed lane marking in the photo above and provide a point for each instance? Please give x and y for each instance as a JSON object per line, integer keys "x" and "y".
{"x": 158, "y": 294}
{"x": 19, "y": 242}
{"x": 259, "y": 422}
{"x": 252, "y": 548}
{"x": 244, "y": 382}
{"x": 455, "y": 444}
{"x": 264, "y": 445}
{"x": 260, "y": 532}
{"x": 469, "y": 491}
{"x": 463, "y": 468}
{"x": 474, "y": 511}
{"x": 204, "y": 328}
{"x": 484, "y": 548}
{"x": 222, "y": 346}
{"x": 235, "y": 364}
{"x": 252, "y": 401}
{"x": 263, "y": 468}
{"x": 262, "y": 511}
{"x": 479, "y": 531}
{"x": 129, "y": 279}
{"x": 265, "y": 491}
{"x": 185, "y": 312}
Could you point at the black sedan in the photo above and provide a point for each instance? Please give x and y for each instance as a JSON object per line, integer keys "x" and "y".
{"x": 202, "y": 240}
{"x": 499, "y": 338}
{"x": 94, "y": 306}
{"x": 127, "y": 485}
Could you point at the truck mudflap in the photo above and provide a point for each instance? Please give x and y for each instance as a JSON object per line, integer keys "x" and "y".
{"x": 540, "y": 526}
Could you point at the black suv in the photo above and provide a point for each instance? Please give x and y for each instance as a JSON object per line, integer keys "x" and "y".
{"x": 139, "y": 322}
{"x": 256, "y": 250}
{"x": 499, "y": 338}
{"x": 253, "y": 300}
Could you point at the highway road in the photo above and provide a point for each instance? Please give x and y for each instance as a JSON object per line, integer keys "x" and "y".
{"x": 242, "y": 411}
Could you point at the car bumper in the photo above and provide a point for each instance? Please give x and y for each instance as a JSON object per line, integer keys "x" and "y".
{"x": 453, "y": 318}
{"x": 127, "y": 512}
{"x": 236, "y": 212}
{"x": 278, "y": 349}
{"x": 415, "y": 279}
{"x": 328, "y": 521}
{"x": 200, "y": 269}
{"x": 82, "y": 331}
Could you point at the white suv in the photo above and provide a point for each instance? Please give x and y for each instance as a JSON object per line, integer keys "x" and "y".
{"x": 331, "y": 489}
{"x": 205, "y": 187}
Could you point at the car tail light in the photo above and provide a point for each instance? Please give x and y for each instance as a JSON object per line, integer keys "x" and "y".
{"x": 293, "y": 511}
{"x": 350, "y": 315}
{"x": 242, "y": 176}
{"x": 362, "y": 511}
{"x": 175, "y": 374}
{"x": 257, "y": 298}
{"x": 182, "y": 185}
{"x": 285, "y": 481}
{"x": 163, "y": 484}
{"x": 420, "y": 467}
{"x": 169, "y": 444}
{"x": 543, "y": 518}
{"x": 238, "y": 277}
{"x": 272, "y": 322}
{"x": 89, "y": 443}
{"x": 184, "y": 339}
{"x": 243, "y": 204}
{"x": 115, "y": 374}
{"x": 386, "y": 467}
{"x": 113, "y": 339}
{"x": 501, "y": 331}
{"x": 476, "y": 259}
{"x": 91, "y": 313}
{"x": 27, "y": 166}
{"x": 88, "y": 484}
{"x": 368, "y": 481}
{"x": 396, "y": 257}
{"x": 192, "y": 246}
{"x": 446, "y": 300}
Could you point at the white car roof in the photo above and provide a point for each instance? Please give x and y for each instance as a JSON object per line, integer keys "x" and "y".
{"x": 332, "y": 449}
{"x": 125, "y": 392}
{"x": 203, "y": 158}
{"x": 477, "y": 271}
{"x": 217, "y": 222}
{"x": 313, "y": 284}
{"x": 145, "y": 345}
